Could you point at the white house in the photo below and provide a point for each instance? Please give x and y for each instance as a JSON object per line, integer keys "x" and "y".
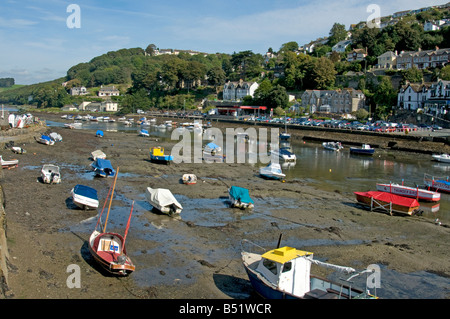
{"x": 412, "y": 96}
{"x": 108, "y": 91}
{"x": 78, "y": 91}
{"x": 341, "y": 46}
{"x": 235, "y": 91}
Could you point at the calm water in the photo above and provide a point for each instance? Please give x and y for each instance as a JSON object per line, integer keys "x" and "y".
{"x": 333, "y": 171}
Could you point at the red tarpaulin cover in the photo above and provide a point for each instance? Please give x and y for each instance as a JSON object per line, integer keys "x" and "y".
{"x": 390, "y": 198}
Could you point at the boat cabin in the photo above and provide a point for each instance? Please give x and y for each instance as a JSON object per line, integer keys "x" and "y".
{"x": 288, "y": 269}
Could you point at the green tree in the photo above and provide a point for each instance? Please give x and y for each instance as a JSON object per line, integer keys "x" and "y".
{"x": 444, "y": 73}
{"x": 337, "y": 33}
{"x": 323, "y": 73}
{"x": 289, "y": 47}
{"x": 412, "y": 75}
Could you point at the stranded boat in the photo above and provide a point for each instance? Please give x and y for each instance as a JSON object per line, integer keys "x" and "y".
{"x": 157, "y": 156}
{"x": 103, "y": 168}
{"x": 388, "y": 202}
{"x": 440, "y": 184}
{"x": 444, "y": 158}
{"x": 163, "y": 200}
{"x": 9, "y": 164}
{"x": 50, "y": 174}
{"x": 84, "y": 197}
{"x": 285, "y": 273}
{"x": 107, "y": 248}
{"x": 272, "y": 171}
{"x": 240, "y": 197}
{"x": 333, "y": 146}
{"x": 412, "y": 192}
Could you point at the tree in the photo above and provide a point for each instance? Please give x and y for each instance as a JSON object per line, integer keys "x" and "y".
{"x": 150, "y": 50}
{"x": 412, "y": 75}
{"x": 337, "y": 34}
{"x": 361, "y": 115}
{"x": 385, "y": 96}
{"x": 444, "y": 74}
{"x": 216, "y": 77}
{"x": 277, "y": 97}
{"x": 323, "y": 73}
{"x": 289, "y": 46}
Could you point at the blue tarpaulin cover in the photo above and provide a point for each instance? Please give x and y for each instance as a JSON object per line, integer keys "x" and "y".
{"x": 241, "y": 194}
{"x": 99, "y": 133}
{"x": 85, "y": 191}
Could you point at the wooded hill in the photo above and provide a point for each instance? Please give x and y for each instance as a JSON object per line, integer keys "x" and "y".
{"x": 173, "y": 81}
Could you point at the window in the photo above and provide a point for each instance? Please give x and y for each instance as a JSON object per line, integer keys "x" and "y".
{"x": 287, "y": 267}
{"x": 272, "y": 266}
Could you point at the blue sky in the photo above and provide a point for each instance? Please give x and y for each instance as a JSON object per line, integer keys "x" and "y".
{"x": 36, "y": 44}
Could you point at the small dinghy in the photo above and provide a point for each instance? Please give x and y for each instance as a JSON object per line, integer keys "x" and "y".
{"x": 85, "y": 197}
{"x": 189, "y": 179}
{"x": 51, "y": 174}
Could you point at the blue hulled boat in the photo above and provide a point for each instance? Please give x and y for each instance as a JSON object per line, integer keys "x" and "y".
{"x": 157, "y": 155}
{"x": 84, "y": 197}
{"x": 365, "y": 149}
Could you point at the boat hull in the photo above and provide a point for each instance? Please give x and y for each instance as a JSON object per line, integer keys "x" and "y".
{"x": 107, "y": 249}
{"x": 354, "y": 150}
{"x": 84, "y": 197}
{"x": 441, "y": 186}
{"x": 411, "y": 192}
{"x": 444, "y": 158}
{"x": 165, "y": 159}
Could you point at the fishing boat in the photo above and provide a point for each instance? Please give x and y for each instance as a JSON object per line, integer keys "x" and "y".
{"x": 143, "y": 132}
{"x": 444, "y": 158}
{"x": 413, "y": 192}
{"x": 285, "y": 273}
{"x": 98, "y": 154}
{"x": 439, "y": 184}
{"x": 157, "y": 155}
{"x": 84, "y": 197}
{"x": 103, "y": 168}
{"x": 108, "y": 248}
{"x": 332, "y": 146}
{"x": 50, "y": 174}
{"x": 189, "y": 179}
{"x": 365, "y": 149}
{"x": 272, "y": 171}
{"x": 9, "y": 164}
{"x": 44, "y": 139}
{"x": 284, "y": 153}
{"x": 388, "y": 202}
{"x": 240, "y": 197}
{"x": 163, "y": 200}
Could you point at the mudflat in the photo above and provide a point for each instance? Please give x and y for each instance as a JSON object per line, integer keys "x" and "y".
{"x": 188, "y": 256}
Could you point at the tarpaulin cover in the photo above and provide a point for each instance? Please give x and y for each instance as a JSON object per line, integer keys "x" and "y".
{"x": 162, "y": 197}
{"x": 240, "y": 194}
{"x": 390, "y": 198}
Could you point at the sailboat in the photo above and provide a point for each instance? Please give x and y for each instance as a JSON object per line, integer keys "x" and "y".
{"x": 285, "y": 135}
{"x": 108, "y": 248}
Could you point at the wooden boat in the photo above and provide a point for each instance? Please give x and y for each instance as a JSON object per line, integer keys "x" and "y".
{"x": 444, "y": 158}
{"x": 285, "y": 273}
{"x": 240, "y": 197}
{"x": 163, "y": 200}
{"x": 50, "y": 174}
{"x": 157, "y": 155}
{"x": 388, "y": 202}
{"x": 107, "y": 248}
{"x": 189, "y": 179}
{"x": 272, "y": 171}
{"x": 84, "y": 197}
{"x": 418, "y": 193}
{"x": 365, "y": 149}
{"x": 9, "y": 164}
{"x": 98, "y": 154}
{"x": 439, "y": 184}
{"x": 332, "y": 146}
{"x": 103, "y": 168}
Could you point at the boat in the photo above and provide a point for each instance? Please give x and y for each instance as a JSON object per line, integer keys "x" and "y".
{"x": 189, "y": 179}
{"x": 212, "y": 153}
{"x": 365, "y": 149}
{"x": 9, "y": 164}
{"x": 157, "y": 155}
{"x": 18, "y": 150}
{"x": 240, "y": 197}
{"x": 285, "y": 135}
{"x": 272, "y": 171}
{"x": 285, "y": 273}
{"x": 284, "y": 153}
{"x": 84, "y": 197}
{"x": 333, "y": 146}
{"x": 99, "y": 133}
{"x": 98, "y": 154}
{"x": 143, "y": 132}
{"x": 55, "y": 137}
{"x": 413, "y": 192}
{"x": 108, "y": 248}
{"x": 163, "y": 200}
{"x": 388, "y": 202}
{"x": 444, "y": 158}
{"x": 44, "y": 139}
{"x": 439, "y": 184}
{"x": 50, "y": 174}
{"x": 73, "y": 125}
{"x": 103, "y": 168}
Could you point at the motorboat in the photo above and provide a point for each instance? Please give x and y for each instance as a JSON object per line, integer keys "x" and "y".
{"x": 84, "y": 197}
{"x": 413, "y": 192}
{"x": 332, "y": 146}
{"x": 365, "y": 149}
{"x": 240, "y": 197}
{"x": 284, "y": 153}
{"x": 9, "y": 163}
{"x": 98, "y": 154}
{"x": 157, "y": 155}
{"x": 103, "y": 168}
{"x": 444, "y": 158}
{"x": 51, "y": 174}
{"x": 163, "y": 200}
{"x": 272, "y": 171}
{"x": 46, "y": 140}
{"x": 189, "y": 179}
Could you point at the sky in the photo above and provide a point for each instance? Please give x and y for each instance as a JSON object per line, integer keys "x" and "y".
{"x": 41, "y": 39}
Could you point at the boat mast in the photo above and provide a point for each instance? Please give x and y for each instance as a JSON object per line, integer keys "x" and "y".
{"x": 110, "y": 200}
{"x": 128, "y": 226}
